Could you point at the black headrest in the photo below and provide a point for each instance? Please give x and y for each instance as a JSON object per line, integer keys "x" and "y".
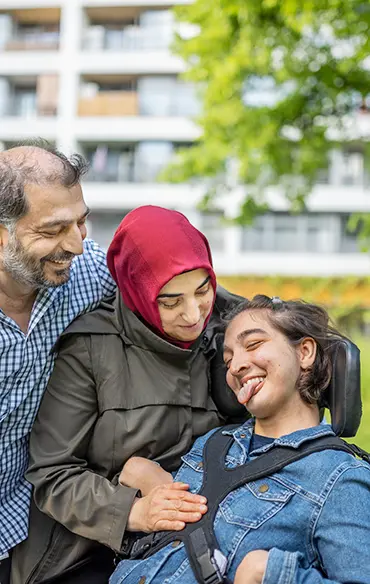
{"x": 342, "y": 397}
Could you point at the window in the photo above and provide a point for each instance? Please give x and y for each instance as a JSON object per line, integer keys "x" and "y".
{"x": 214, "y": 230}
{"x": 47, "y": 34}
{"x": 150, "y": 159}
{"x": 24, "y": 103}
{"x": 253, "y": 237}
{"x": 352, "y": 168}
{"x": 156, "y": 28}
{"x": 167, "y": 96}
{"x": 109, "y": 164}
{"x": 285, "y": 233}
{"x": 349, "y": 239}
{"x": 102, "y": 226}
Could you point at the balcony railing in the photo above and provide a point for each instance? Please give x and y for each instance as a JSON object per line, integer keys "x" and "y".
{"x": 130, "y": 38}
{"x": 135, "y": 174}
{"x": 109, "y": 103}
{"x": 175, "y": 100}
{"x": 48, "y": 41}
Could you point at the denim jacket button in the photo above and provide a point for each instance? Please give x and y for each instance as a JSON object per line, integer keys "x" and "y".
{"x": 142, "y": 580}
{"x": 242, "y": 436}
{"x": 200, "y": 465}
{"x": 263, "y": 488}
{"x": 175, "y": 543}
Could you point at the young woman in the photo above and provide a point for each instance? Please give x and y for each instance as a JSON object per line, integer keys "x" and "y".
{"x": 309, "y": 523}
{"x": 132, "y": 378}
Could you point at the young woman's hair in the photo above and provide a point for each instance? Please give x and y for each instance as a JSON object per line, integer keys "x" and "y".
{"x": 297, "y": 319}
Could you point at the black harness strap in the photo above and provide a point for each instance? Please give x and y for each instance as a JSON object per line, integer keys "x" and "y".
{"x": 207, "y": 561}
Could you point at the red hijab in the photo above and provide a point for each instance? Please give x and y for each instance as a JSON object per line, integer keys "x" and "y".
{"x": 151, "y": 246}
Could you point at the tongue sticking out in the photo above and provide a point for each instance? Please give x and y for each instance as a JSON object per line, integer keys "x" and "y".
{"x": 249, "y": 390}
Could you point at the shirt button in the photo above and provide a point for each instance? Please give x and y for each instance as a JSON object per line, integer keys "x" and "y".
{"x": 142, "y": 580}
{"x": 175, "y": 543}
{"x": 263, "y": 488}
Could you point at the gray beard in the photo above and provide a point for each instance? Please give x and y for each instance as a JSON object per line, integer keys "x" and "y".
{"x": 25, "y": 269}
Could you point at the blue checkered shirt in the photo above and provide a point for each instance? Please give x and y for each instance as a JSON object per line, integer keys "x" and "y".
{"x": 25, "y": 365}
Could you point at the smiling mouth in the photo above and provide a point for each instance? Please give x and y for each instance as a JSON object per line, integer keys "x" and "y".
{"x": 61, "y": 264}
{"x": 191, "y": 326}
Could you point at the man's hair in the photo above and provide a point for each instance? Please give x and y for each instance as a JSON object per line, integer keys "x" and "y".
{"x": 297, "y": 319}
{"x": 17, "y": 172}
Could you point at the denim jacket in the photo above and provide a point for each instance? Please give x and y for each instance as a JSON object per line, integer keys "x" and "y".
{"x": 313, "y": 517}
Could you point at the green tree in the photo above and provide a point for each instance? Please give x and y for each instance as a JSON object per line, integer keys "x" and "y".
{"x": 308, "y": 58}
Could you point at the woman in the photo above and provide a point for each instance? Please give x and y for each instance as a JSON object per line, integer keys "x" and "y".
{"x": 132, "y": 378}
{"x": 307, "y": 523}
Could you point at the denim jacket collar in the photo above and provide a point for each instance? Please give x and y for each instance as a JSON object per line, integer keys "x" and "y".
{"x": 243, "y": 435}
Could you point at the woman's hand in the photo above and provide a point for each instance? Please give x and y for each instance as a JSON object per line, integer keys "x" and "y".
{"x": 141, "y": 473}
{"x": 252, "y": 569}
{"x": 166, "y": 507}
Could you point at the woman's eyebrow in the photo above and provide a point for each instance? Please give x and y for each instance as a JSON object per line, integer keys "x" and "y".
{"x": 204, "y": 283}
{"x": 244, "y": 334}
{"x": 180, "y": 294}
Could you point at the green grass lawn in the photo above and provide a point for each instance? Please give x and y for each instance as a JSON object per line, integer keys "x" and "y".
{"x": 363, "y": 436}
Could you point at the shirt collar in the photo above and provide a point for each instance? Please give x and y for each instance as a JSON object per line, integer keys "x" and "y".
{"x": 243, "y": 434}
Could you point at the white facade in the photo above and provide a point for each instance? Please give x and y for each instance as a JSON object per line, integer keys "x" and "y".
{"x": 101, "y": 80}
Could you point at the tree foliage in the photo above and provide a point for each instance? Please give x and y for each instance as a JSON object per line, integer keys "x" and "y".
{"x": 280, "y": 81}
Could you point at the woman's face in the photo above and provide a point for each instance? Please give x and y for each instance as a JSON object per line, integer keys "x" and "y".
{"x": 262, "y": 366}
{"x": 184, "y": 304}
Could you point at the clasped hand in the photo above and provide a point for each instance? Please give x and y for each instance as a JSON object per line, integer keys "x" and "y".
{"x": 165, "y": 505}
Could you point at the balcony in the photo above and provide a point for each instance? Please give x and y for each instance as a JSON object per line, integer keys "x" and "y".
{"x": 129, "y": 38}
{"x": 30, "y": 40}
{"x": 128, "y": 28}
{"x": 29, "y": 96}
{"x": 109, "y": 103}
{"x": 137, "y": 163}
{"x": 134, "y": 95}
{"x": 30, "y": 30}
{"x": 33, "y": 39}
{"x": 28, "y": 106}
{"x": 137, "y": 40}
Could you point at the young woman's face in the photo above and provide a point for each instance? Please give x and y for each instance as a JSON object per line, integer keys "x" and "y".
{"x": 184, "y": 304}
{"x": 262, "y": 366}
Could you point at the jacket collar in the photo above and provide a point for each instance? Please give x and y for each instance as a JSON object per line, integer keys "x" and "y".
{"x": 114, "y": 318}
{"x": 132, "y": 329}
{"x": 243, "y": 435}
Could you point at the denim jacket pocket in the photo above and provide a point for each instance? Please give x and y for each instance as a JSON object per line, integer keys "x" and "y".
{"x": 253, "y": 504}
{"x": 194, "y": 459}
{"x": 191, "y": 471}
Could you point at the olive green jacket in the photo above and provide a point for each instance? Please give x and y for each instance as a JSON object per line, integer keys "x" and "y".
{"x": 117, "y": 390}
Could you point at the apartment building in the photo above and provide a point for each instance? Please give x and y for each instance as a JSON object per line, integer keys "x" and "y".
{"x": 98, "y": 77}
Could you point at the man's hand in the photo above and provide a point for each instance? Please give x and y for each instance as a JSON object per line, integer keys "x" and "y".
{"x": 252, "y": 568}
{"x": 167, "y": 507}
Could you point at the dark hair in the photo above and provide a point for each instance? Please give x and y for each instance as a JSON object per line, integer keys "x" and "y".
{"x": 297, "y": 319}
{"x": 17, "y": 171}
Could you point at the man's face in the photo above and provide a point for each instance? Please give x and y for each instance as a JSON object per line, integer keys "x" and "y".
{"x": 39, "y": 252}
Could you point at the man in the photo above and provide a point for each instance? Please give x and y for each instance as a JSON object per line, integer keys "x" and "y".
{"x": 48, "y": 276}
